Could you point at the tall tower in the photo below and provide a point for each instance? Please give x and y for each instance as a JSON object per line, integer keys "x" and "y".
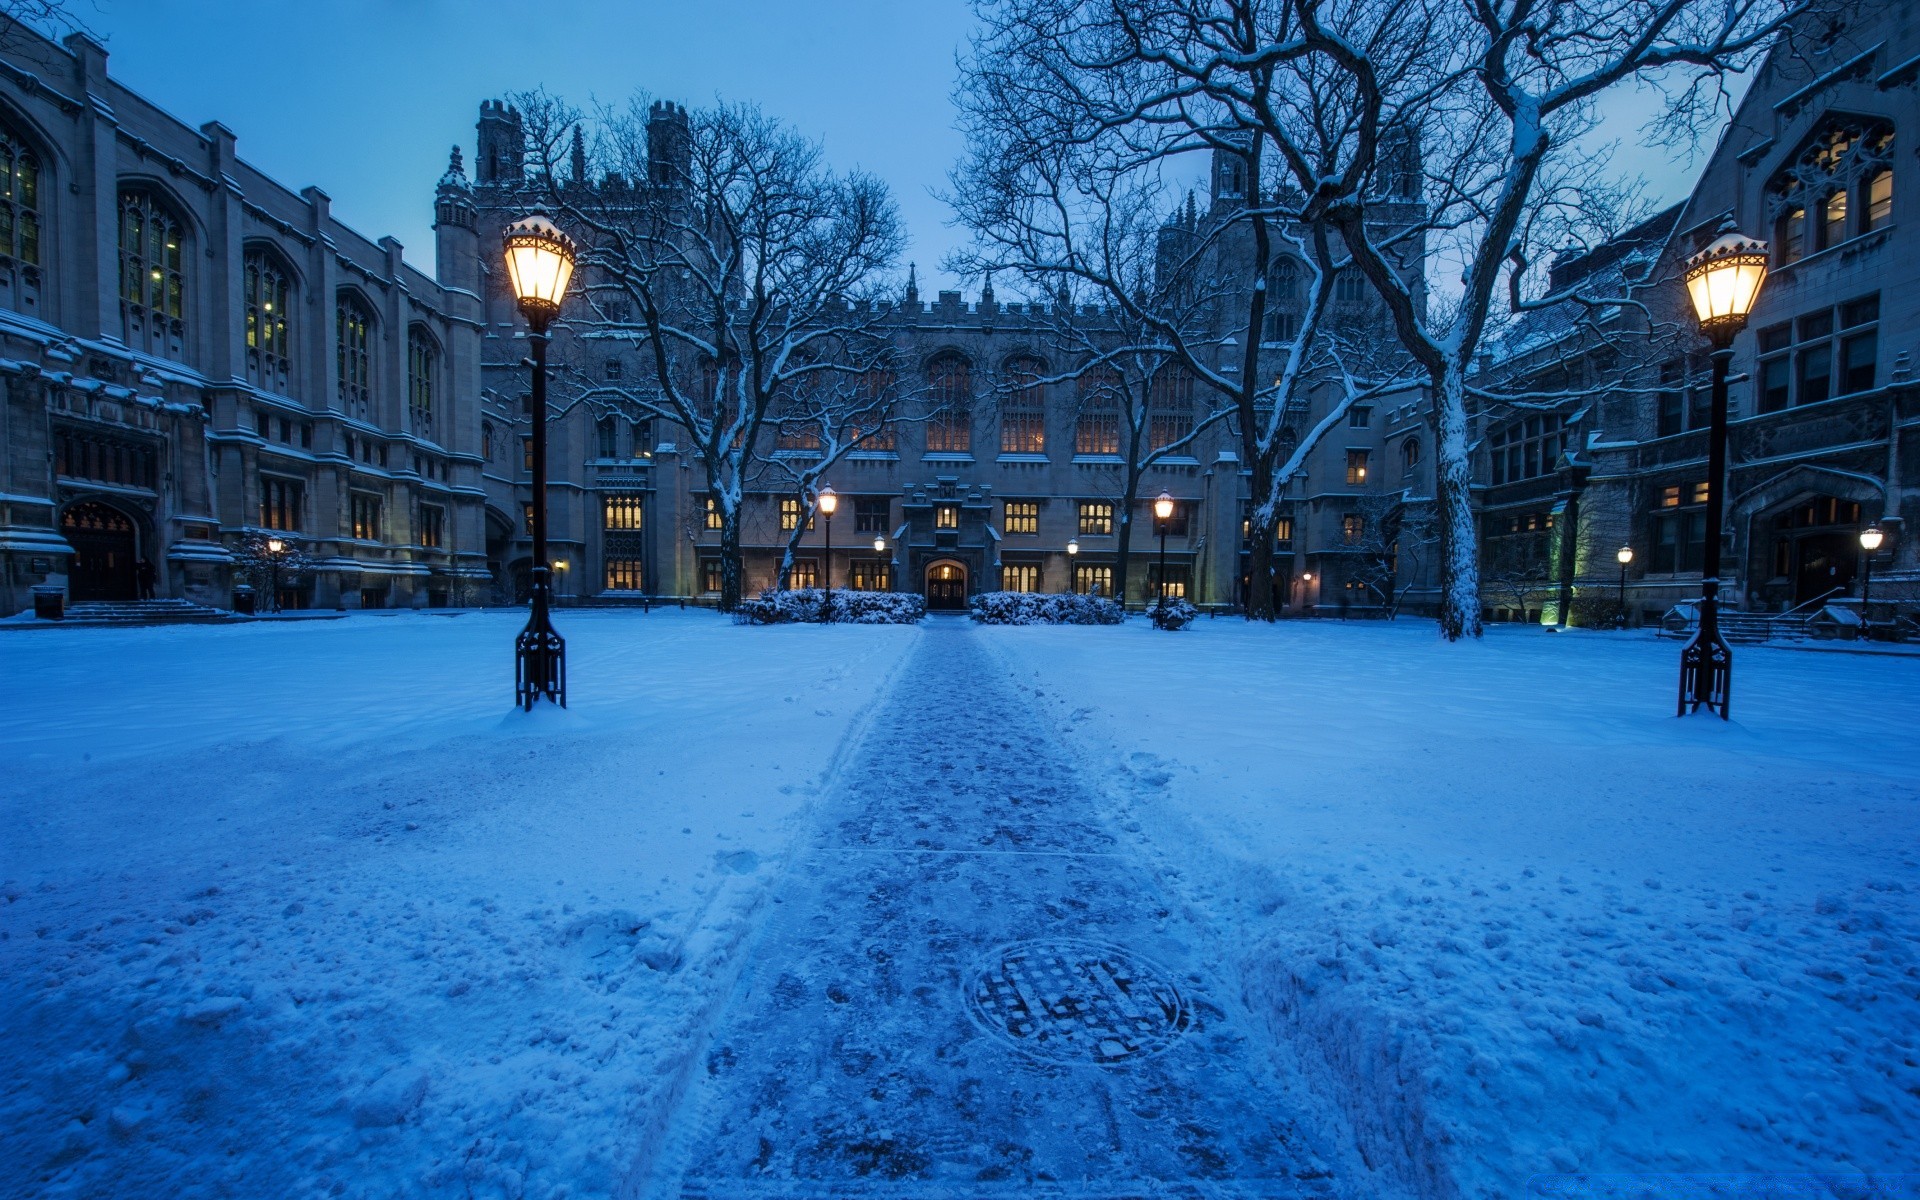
{"x": 669, "y": 143}
{"x": 456, "y": 237}
{"x": 1230, "y": 182}
{"x": 503, "y": 144}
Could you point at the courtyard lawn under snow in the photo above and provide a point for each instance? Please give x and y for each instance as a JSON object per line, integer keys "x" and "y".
{"x": 307, "y": 909}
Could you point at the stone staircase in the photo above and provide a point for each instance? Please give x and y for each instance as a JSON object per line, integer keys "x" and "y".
{"x": 141, "y": 612}
{"x": 1744, "y": 628}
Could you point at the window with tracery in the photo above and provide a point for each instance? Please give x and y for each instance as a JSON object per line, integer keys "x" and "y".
{"x": 1283, "y": 301}
{"x": 1023, "y": 416}
{"x": 153, "y": 282}
{"x": 19, "y": 224}
{"x": 423, "y": 370}
{"x": 267, "y": 288}
{"x": 353, "y": 336}
{"x": 1169, "y": 407}
{"x": 1841, "y": 186}
{"x": 1097, "y": 429}
{"x": 950, "y": 393}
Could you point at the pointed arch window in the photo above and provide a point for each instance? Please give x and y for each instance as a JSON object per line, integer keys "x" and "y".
{"x": 19, "y": 224}
{"x": 153, "y": 280}
{"x": 1840, "y": 187}
{"x": 423, "y": 380}
{"x": 1283, "y": 301}
{"x": 950, "y": 392}
{"x": 353, "y": 338}
{"x": 269, "y": 349}
{"x": 1096, "y": 431}
{"x": 1170, "y": 407}
{"x": 1023, "y": 417}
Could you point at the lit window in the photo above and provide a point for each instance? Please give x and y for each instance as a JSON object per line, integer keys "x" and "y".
{"x": 433, "y": 521}
{"x": 1880, "y": 200}
{"x": 946, "y": 516}
{"x": 805, "y": 573}
{"x": 366, "y": 516}
{"x": 1023, "y": 516}
{"x": 790, "y": 515}
{"x": 1096, "y": 517}
{"x": 950, "y": 392}
{"x": 1023, "y": 420}
{"x": 623, "y": 512}
{"x": 1356, "y": 467}
{"x": 1093, "y": 579}
{"x": 423, "y": 367}
{"x": 152, "y": 275}
{"x": 280, "y": 502}
{"x": 1097, "y": 431}
{"x": 1833, "y": 220}
{"x": 1353, "y": 527}
{"x": 353, "y": 326}
{"x": 715, "y": 518}
{"x": 267, "y": 294}
{"x": 712, "y": 575}
{"x": 1020, "y": 577}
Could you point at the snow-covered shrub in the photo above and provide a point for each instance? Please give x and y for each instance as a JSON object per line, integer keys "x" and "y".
{"x": 1041, "y": 608}
{"x": 810, "y": 605}
{"x": 1174, "y": 615}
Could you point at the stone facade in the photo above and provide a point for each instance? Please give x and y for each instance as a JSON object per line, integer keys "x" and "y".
{"x": 943, "y": 510}
{"x": 1824, "y": 403}
{"x": 192, "y": 353}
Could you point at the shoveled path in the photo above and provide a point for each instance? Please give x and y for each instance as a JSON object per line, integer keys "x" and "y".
{"x": 970, "y": 988}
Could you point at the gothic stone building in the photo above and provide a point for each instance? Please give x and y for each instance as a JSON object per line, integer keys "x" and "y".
{"x": 192, "y": 352}
{"x": 988, "y": 499}
{"x": 1824, "y": 438}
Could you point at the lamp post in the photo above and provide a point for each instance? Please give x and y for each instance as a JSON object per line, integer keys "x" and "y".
{"x": 880, "y": 549}
{"x": 275, "y": 548}
{"x": 1870, "y": 539}
{"x": 1073, "y": 550}
{"x": 1623, "y": 556}
{"x": 1163, "y": 515}
{"x": 1723, "y": 281}
{"x": 827, "y": 500}
{"x": 539, "y": 265}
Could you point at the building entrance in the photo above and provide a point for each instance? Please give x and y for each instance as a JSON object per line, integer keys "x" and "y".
{"x": 104, "y": 553}
{"x": 1816, "y": 545}
{"x": 946, "y": 586}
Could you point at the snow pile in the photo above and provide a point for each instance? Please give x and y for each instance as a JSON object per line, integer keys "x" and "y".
{"x": 309, "y": 909}
{"x": 1520, "y": 919}
{"x": 811, "y": 605}
{"x": 1044, "y": 608}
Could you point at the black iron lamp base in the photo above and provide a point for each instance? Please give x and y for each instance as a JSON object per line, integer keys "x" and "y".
{"x": 1706, "y": 674}
{"x": 540, "y": 659}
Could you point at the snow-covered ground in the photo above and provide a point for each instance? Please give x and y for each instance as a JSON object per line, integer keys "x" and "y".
{"x": 309, "y": 909}
{"x": 306, "y": 909}
{"x": 1519, "y": 919}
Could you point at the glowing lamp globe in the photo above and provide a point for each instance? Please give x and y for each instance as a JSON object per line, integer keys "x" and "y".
{"x": 829, "y": 500}
{"x": 1871, "y": 537}
{"x": 539, "y": 265}
{"x": 879, "y": 545}
{"x": 275, "y": 545}
{"x": 1073, "y": 546}
{"x": 1163, "y": 506}
{"x": 1624, "y": 555}
{"x": 1723, "y": 281}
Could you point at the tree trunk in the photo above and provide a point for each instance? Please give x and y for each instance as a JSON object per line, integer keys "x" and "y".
{"x": 729, "y": 560}
{"x": 1263, "y": 518}
{"x": 1459, "y": 543}
{"x": 1124, "y": 546}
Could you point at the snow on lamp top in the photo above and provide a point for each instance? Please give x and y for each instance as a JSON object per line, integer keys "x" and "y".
{"x": 1871, "y": 537}
{"x": 1163, "y": 506}
{"x": 1624, "y": 554}
{"x": 828, "y": 500}
{"x": 539, "y": 263}
{"x": 1724, "y": 280}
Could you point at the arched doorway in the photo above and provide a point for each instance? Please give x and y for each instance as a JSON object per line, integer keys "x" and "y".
{"x": 105, "y": 553}
{"x": 946, "y": 586}
{"x": 1816, "y": 547}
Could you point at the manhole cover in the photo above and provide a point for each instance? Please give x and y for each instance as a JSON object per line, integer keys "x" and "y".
{"x": 1072, "y": 1001}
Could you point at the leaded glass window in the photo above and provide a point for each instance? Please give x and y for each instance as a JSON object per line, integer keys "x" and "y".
{"x": 423, "y": 371}
{"x": 353, "y": 336}
{"x": 19, "y": 224}
{"x": 153, "y": 281}
{"x": 269, "y": 354}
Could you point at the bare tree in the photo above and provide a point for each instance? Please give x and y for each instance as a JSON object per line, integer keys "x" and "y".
{"x": 1077, "y": 113}
{"x": 1397, "y": 533}
{"x": 1497, "y": 93}
{"x": 742, "y": 267}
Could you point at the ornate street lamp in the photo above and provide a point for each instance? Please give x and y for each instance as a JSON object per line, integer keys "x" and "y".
{"x": 1870, "y": 539}
{"x": 539, "y": 266}
{"x": 1723, "y": 281}
{"x": 275, "y": 548}
{"x": 828, "y": 500}
{"x": 1163, "y": 515}
{"x": 1623, "y": 556}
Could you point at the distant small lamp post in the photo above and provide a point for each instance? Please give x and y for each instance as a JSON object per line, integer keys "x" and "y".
{"x": 539, "y": 265}
{"x": 1723, "y": 281}
{"x": 1871, "y": 539}
{"x": 1163, "y": 516}
{"x": 880, "y": 549}
{"x": 275, "y": 549}
{"x": 560, "y": 581}
{"x": 828, "y": 500}
{"x": 1623, "y": 556}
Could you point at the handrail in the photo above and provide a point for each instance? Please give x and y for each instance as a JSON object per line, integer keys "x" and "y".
{"x": 1822, "y": 598}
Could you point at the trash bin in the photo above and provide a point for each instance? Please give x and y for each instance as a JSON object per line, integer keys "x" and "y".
{"x": 49, "y": 602}
{"x": 243, "y": 599}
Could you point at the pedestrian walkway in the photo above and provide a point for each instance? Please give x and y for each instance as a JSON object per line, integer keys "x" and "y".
{"x": 969, "y": 987}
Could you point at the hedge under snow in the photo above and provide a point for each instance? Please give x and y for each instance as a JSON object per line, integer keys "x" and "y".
{"x": 1044, "y": 608}
{"x": 810, "y": 605}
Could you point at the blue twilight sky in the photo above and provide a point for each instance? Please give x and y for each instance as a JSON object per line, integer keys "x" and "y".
{"x": 364, "y": 97}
